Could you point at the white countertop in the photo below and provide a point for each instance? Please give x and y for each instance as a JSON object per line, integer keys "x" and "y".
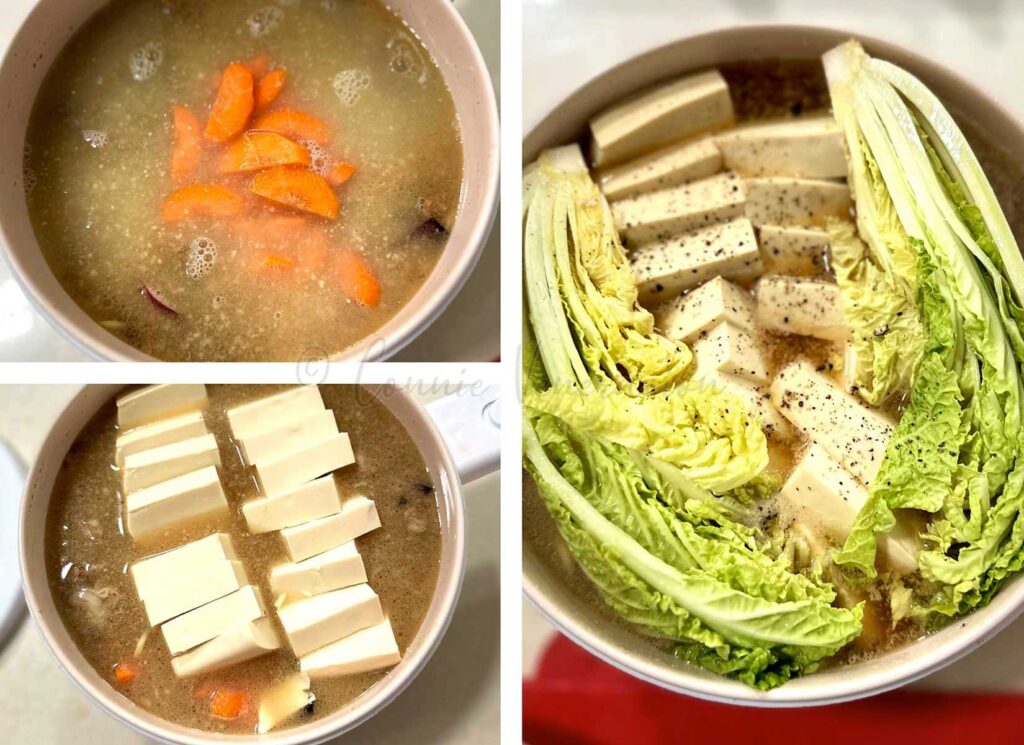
{"x": 568, "y": 42}
{"x": 466, "y": 332}
{"x": 453, "y": 700}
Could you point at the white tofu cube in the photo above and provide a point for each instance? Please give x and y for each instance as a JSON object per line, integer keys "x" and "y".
{"x": 312, "y": 623}
{"x": 181, "y": 593}
{"x": 159, "y": 402}
{"x": 284, "y": 473}
{"x": 168, "y": 461}
{"x": 806, "y": 147}
{"x": 331, "y": 570}
{"x": 798, "y": 305}
{"x": 213, "y": 619}
{"x": 163, "y": 432}
{"x": 671, "y": 112}
{"x": 281, "y": 701}
{"x": 672, "y": 166}
{"x": 289, "y": 437}
{"x": 243, "y": 641}
{"x": 793, "y": 250}
{"x": 311, "y": 501}
{"x": 184, "y": 499}
{"x": 370, "y": 649}
{"x": 188, "y": 559}
{"x": 731, "y": 350}
{"x": 717, "y": 300}
{"x": 796, "y": 202}
{"x": 357, "y": 517}
{"x": 274, "y": 411}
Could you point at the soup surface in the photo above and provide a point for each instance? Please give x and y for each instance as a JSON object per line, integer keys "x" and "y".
{"x": 88, "y": 554}
{"x": 265, "y": 282}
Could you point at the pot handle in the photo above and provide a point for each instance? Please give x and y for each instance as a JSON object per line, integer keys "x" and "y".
{"x": 470, "y": 423}
{"x": 12, "y": 483}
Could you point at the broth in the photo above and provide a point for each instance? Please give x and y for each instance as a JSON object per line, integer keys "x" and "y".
{"x": 86, "y": 547}
{"x": 98, "y": 167}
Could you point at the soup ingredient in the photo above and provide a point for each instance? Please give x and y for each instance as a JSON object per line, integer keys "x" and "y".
{"x": 125, "y": 672}
{"x": 797, "y": 305}
{"x": 159, "y": 464}
{"x": 282, "y": 700}
{"x": 161, "y": 432}
{"x": 339, "y": 173}
{"x": 228, "y": 703}
{"x": 158, "y": 300}
{"x": 431, "y": 229}
{"x": 357, "y": 516}
{"x": 191, "y": 629}
{"x": 269, "y": 87}
{"x": 156, "y": 402}
{"x": 718, "y": 300}
{"x": 287, "y": 435}
{"x": 794, "y": 250}
{"x": 805, "y": 147}
{"x": 958, "y": 451}
{"x": 256, "y": 150}
{"x": 268, "y": 413}
{"x": 190, "y": 497}
{"x": 291, "y": 468}
{"x": 366, "y": 650}
{"x": 297, "y": 125}
{"x": 796, "y": 202}
{"x": 730, "y": 350}
{"x": 331, "y": 570}
{"x": 297, "y": 188}
{"x": 233, "y": 105}
{"x": 676, "y": 164}
{"x": 240, "y": 643}
{"x": 201, "y": 200}
{"x": 187, "y": 143}
{"x": 315, "y": 622}
{"x": 310, "y": 501}
{"x": 356, "y": 279}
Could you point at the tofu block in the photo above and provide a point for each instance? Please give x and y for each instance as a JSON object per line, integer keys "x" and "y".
{"x": 274, "y": 411}
{"x": 281, "y": 701}
{"x": 370, "y": 649}
{"x": 331, "y": 570}
{"x": 822, "y": 494}
{"x": 796, "y": 202}
{"x": 293, "y": 469}
{"x": 163, "y": 432}
{"x": 788, "y": 250}
{"x": 241, "y": 642}
{"x": 660, "y": 215}
{"x": 213, "y": 619}
{"x": 850, "y": 367}
{"x": 358, "y": 516}
{"x": 186, "y": 560}
{"x": 716, "y": 301}
{"x": 673, "y": 111}
{"x": 292, "y": 435}
{"x": 178, "y": 594}
{"x": 159, "y": 402}
{"x": 805, "y": 147}
{"x": 852, "y": 433}
{"x": 758, "y": 401}
{"x": 731, "y": 350}
{"x": 311, "y": 501}
{"x": 797, "y": 305}
{"x": 183, "y": 499}
{"x": 671, "y": 166}
{"x": 167, "y": 461}
{"x": 312, "y": 623}
{"x": 667, "y": 268}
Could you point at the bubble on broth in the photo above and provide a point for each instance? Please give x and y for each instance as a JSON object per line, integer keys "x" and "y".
{"x": 202, "y": 255}
{"x": 349, "y": 85}
{"x": 95, "y": 137}
{"x": 218, "y": 300}
{"x": 264, "y": 20}
{"x": 406, "y": 59}
{"x": 319, "y": 158}
{"x": 146, "y": 60}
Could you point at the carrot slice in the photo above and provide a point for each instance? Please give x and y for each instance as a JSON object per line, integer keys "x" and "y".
{"x": 187, "y": 145}
{"x": 125, "y": 672}
{"x": 201, "y": 199}
{"x": 275, "y": 261}
{"x": 340, "y": 173}
{"x": 356, "y": 278}
{"x": 259, "y": 65}
{"x": 269, "y": 87}
{"x": 234, "y": 104}
{"x": 268, "y": 231}
{"x": 227, "y": 704}
{"x": 298, "y": 188}
{"x": 254, "y": 151}
{"x": 295, "y": 124}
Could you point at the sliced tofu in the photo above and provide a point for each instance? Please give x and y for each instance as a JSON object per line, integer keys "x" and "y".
{"x": 310, "y": 501}
{"x": 852, "y": 433}
{"x": 671, "y": 112}
{"x": 164, "y": 432}
{"x": 796, "y": 202}
{"x": 731, "y": 350}
{"x": 667, "y": 268}
{"x": 179, "y": 501}
{"x": 312, "y": 623}
{"x": 358, "y": 516}
{"x": 188, "y": 559}
{"x": 177, "y": 594}
{"x": 243, "y": 641}
{"x": 279, "y": 702}
{"x": 284, "y": 473}
{"x": 331, "y": 570}
{"x": 850, "y": 367}
{"x": 292, "y": 435}
{"x": 159, "y": 402}
{"x": 716, "y": 301}
{"x": 671, "y": 166}
{"x": 820, "y": 492}
{"x": 372, "y": 648}
{"x": 274, "y": 411}
{"x": 789, "y": 250}
{"x": 168, "y": 461}
{"x": 660, "y": 215}
{"x": 798, "y": 305}
{"x": 758, "y": 401}
{"x": 806, "y": 147}
{"x": 213, "y": 619}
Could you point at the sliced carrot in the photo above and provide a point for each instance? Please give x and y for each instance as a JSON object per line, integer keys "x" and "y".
{"x": 312, "y": 249}
{"x": 295, "y": 124}
{"x": 254, "y": 151}
{"x": 187, "y": 144}
{"x": 274, "y": 261}
{"x": 125, "y": 672}
{"x": 356, "y": 278}
{"x": 298, "y": 188}
{"x": 228, "y": 704}
{"x": 340, "y": 173}
{"x": 267, "y": 231}
{"x": 201, "y": 199}
{"x": 259, "y": 65}
{"x": 234, "y": 104}
{"x": 269, "y": 87}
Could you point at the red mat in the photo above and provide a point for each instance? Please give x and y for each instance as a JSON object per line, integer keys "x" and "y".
{"x": 576, "y": 699}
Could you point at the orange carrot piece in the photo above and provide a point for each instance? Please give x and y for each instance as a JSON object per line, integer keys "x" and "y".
{"x": 269, "y": 87}
{"x": 254, "y": 151}
{"x": 297, "y": 187}
{"x": 340, "y": 173}
{"x": 125, "y": 672}
{"x": 234, "y": 104}
{"x": 187, "y": 144}
{"x": 259, "y": 65}
{"x": 201, "y": 199}
{"x": 356, "y": 278}
{"x": 228, "y": 704}
{"x": 295, "y": 124}
{"x": 275, "y": 261}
